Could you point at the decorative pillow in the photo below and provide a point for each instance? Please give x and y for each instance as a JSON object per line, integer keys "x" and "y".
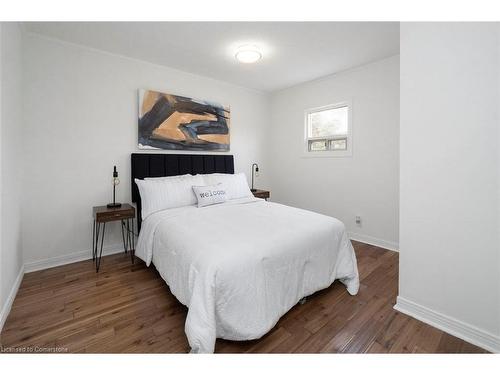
{"x": 210, "y": 194}
{"x": 161, "y": 194}
{"x": 236, "y": 184}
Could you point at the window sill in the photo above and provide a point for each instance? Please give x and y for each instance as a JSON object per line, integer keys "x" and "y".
{"x": 327, "y": 154}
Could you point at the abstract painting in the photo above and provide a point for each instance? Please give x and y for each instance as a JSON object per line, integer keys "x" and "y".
{"x": 172, "y": 122}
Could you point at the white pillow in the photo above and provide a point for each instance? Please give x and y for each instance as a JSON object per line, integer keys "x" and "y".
{"x": 210, "y": 194}
{"x": 161, "y": 194}
{"x": 179, "y": 177}
{"x": 236, "y": 184}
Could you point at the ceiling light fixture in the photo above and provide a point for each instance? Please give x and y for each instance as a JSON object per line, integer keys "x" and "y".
{"x": 248, "y": 54}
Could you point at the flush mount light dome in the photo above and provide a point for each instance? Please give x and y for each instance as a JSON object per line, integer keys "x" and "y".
{"x": 248, "y": 54}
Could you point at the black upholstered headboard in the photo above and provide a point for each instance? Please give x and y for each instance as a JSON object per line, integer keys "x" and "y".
{"x": 160, "y": 165}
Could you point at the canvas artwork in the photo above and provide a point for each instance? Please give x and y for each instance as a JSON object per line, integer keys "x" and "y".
{"x": 172, "y": 122}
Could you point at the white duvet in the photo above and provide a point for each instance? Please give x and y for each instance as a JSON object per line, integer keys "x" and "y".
{"x": 241, "y": 265}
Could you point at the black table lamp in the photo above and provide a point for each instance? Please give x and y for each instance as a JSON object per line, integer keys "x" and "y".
{"x": 255, "y": 169}
{"x": 115, "y": 181}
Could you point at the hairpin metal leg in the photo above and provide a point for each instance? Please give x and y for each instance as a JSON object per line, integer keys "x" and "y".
{"x": 125, "y": 245}
{"x": 96, "y": 241}
{"x": 132, "y": 248}
{"x": 128, "y": 232}
{"x": 129, "y": 237}
{"x": 98, "y": 262}
{"x": 93, "y": 242}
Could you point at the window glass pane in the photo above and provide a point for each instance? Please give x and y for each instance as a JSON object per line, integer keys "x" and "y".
{"x": 318, "y": 145}
{"x": 328, "y": 123}
{"x": 338, "y": 144}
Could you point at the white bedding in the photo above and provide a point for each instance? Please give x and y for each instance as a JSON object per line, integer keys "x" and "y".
{"x": 239, "y": 266}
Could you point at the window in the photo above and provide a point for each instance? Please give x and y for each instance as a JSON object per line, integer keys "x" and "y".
{"x": 328, "y": 131}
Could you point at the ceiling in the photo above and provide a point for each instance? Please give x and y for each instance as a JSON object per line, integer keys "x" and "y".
{"x": 293, "y": 52}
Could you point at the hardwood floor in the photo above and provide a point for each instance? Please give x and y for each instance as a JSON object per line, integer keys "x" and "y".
{"x": 125, "y": 309}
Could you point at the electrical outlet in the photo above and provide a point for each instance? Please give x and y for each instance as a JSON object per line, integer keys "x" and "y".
{"x": 358, "y": 220}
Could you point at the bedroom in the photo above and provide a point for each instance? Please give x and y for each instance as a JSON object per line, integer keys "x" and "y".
{"x": 369, "y": 193}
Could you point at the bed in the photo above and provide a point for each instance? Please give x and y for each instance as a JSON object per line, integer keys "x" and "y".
{"x": 240, "y": 265}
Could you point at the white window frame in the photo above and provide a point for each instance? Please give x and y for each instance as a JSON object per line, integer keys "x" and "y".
{"x": 330, "y": 153}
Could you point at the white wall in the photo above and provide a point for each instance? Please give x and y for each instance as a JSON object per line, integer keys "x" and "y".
{"x": 365, "y": 184}
{"x": 10, "y": 167}
{"x": 81, "y": 119}
{"x": 450, "y": 166}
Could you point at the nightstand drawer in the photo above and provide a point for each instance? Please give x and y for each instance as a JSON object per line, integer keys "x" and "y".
{"x": 112, "y": 216}
{"x": 103, "y": 214}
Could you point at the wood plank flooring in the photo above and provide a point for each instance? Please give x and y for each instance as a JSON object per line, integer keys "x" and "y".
{"x": 127, "y": 309}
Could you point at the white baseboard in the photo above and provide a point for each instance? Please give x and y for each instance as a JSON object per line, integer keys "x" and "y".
{"x": 68, "y": 258}
{"x": 462, "y": 330}
{"x": 389, "y": 245}
{"x": 10, "y": 298}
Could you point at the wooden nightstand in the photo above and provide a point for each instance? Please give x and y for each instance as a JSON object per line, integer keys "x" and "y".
{"x": 264, "y": 194}
{"x": 102, "y": 215}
